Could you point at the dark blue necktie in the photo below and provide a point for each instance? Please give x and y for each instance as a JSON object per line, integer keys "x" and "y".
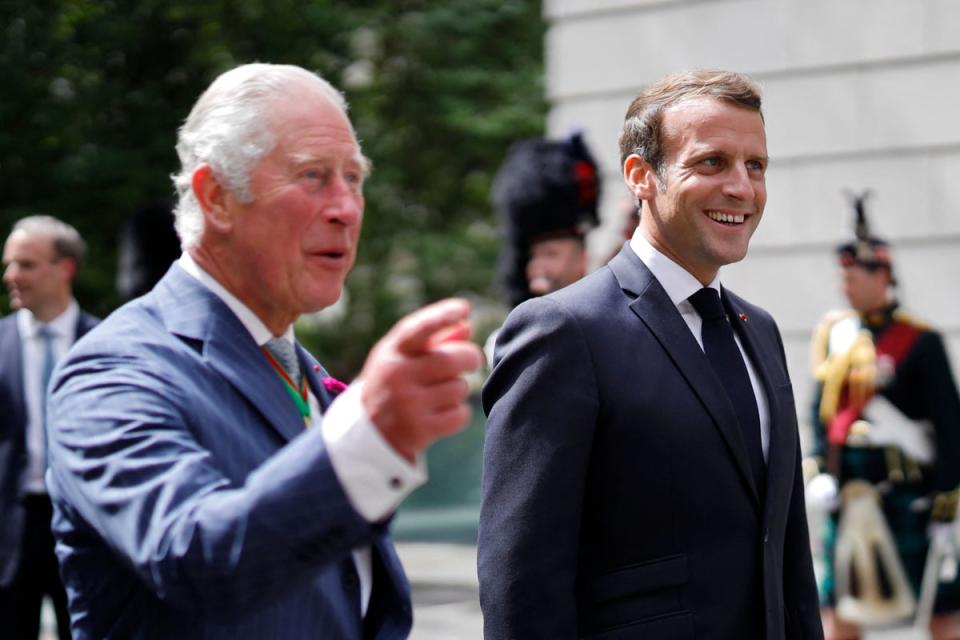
{"x": 727, "y": 361}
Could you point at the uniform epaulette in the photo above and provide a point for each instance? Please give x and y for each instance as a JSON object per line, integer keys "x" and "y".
{"x": 910, "y": 319}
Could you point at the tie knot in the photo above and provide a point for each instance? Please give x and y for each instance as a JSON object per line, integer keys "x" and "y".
{"x": 707, "y": 303}
{"x": 45, "y": 333}
{"x": 286, "y": 356}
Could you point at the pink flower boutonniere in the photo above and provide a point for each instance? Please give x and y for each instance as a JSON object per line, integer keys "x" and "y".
{"x": 333, "y": 385}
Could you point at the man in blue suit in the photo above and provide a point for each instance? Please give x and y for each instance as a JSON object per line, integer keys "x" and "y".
{"x": 41, "y": 257}
{"x": 641, "y": 465}
{"x": 206, "y": 482}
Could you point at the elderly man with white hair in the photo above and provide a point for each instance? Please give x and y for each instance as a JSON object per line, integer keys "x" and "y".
{"x": 208, "y": 478}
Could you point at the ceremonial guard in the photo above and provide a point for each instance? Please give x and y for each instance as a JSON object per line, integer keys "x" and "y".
{"x": 886, "y": 460}
{"x": 546, "y": 195}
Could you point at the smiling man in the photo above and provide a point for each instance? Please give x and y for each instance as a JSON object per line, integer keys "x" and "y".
{"x": 206, "y": 481}
{"x": 641, "y": 463}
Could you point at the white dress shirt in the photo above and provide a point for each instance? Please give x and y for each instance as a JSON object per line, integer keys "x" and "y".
{"x": 64, "y": 330}
{"x": 375, "y": 478}
{"x": 680, "y": 284}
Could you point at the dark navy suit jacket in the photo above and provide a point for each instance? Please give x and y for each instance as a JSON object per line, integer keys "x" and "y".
{"x": 617, "y": 496}
{"x": 13, "y": 444}
{"x": 189, "y": 500}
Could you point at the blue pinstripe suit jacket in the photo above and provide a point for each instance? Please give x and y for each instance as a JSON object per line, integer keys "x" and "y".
{"x": 189, "y": 500}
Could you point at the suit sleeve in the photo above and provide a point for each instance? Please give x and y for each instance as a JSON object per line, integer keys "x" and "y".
{"x": 943, "y": 407}
{"x": 134, "y": 471}
{"x": 541, "y": 401}
{"x": 800, "y": 597}
{"x": 800, "y": 587}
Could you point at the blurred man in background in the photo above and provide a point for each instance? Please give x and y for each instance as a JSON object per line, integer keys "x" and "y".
{"x": 887, "y": 435}
{"x": 40, "y": 258}
{"x": 209, "y": 479}
{"x": 547, "y": 194}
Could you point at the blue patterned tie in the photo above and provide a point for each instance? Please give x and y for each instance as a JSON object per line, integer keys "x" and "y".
{"x": 46, "y": 370}
{"x": 46, "y": 367}
{"x": 721, "y": 350}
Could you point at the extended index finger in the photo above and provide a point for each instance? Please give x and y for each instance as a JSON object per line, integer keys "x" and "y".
{"x": 414, "y": 332}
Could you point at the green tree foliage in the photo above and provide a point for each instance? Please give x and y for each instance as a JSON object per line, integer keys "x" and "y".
{"x": 93, "y": 92}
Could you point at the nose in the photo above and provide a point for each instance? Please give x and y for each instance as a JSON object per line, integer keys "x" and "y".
{"x": 739, "y": 184}
{"x": 343, "y": 201}
{"x": 10, "y": 272}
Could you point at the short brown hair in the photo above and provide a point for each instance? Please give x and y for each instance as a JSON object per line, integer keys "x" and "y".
{"x": 641, "y": 133}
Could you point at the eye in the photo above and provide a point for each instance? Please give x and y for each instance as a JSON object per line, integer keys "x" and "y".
{"x": 756, "y": 165}
{"x": 354, "y": 177}
{"x": 712, "y": 161}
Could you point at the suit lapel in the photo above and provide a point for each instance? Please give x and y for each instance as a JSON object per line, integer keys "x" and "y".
{"x": 315, "y": 374}
{"x": 654, "y": 307}
{"x": 191, "y": 311}
{"x": 85, "y": 322}
{"x": 11, "y": 347}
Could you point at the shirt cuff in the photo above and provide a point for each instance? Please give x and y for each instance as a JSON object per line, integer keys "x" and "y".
{"x": 375, "y": 478}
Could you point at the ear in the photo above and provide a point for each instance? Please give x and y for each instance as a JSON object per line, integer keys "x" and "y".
{"x": 70, "y": 268}
{"x": 212, "y": 196}
{"x": 640, "y": 177}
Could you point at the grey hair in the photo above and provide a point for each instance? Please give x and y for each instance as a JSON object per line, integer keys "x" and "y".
{"x": 67, "y": 242}
{"x": 228, "y": 130}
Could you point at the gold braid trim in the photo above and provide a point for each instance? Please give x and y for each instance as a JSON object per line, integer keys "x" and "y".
{"x": 828, "y": 368}
{"x": 856, "y": 368}
{"x": 945, "y": 506}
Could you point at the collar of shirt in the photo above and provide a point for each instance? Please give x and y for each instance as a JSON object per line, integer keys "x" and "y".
{"x": 675, "y": 280}
{"x": 63, "y": 327}
{"x": 258, "y": 331}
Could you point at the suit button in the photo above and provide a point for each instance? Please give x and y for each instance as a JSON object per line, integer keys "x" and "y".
{"x": 766, "y": 535}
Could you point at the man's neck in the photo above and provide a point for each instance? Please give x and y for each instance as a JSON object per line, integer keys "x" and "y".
{"x": 52, "y": 310}
{"x": 215, "y": 269}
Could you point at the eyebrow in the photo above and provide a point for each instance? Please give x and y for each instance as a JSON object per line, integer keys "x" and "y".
{"x": 362, "y": 161}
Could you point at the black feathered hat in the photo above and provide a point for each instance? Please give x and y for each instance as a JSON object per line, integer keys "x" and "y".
{"x": 866, "y": 249}
{"x": 544, "y": 189}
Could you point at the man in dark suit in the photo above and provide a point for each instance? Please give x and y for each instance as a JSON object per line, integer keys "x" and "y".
{"x": 41, "y": 257}
{"x": 206, "y": 483}
{"x": 641, "y": 464}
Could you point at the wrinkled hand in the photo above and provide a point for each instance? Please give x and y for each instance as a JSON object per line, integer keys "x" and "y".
{"x": 413, "y": 385}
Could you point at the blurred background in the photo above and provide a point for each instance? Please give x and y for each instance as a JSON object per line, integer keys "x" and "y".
{"x": 858, "y": 94}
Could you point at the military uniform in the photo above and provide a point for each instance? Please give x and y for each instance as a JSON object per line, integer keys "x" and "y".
{"x": 911, "y": 370}
{"x": 886, "y": 412}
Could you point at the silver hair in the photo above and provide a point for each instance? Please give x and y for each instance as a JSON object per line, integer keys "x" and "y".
{"x": 228, "y": 130}
{"x": 67, "y": 242}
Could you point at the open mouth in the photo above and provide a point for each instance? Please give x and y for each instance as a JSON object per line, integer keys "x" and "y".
{"x": 730, "y": 219}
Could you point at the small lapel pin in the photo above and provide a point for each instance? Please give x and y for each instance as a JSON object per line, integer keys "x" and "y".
{"x": 316, "y": 368}
{"x": 743, "y": 317}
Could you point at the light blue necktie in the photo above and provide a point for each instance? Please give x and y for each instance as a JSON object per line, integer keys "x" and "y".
{"x": 46, "y": 370}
